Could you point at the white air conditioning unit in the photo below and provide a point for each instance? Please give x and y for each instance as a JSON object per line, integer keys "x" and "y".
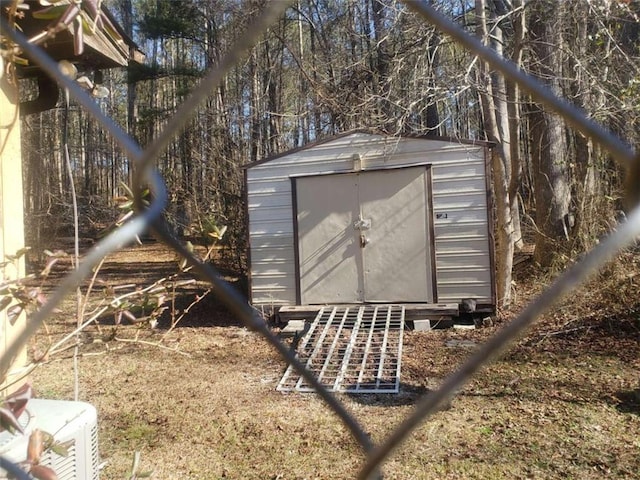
{"x": 72, "y": 423}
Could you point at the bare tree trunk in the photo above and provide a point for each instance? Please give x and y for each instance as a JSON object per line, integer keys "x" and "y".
{"x": 302, "y": 136}
{"x": 587, "y": 188}
{"x": 432, "y": 118}
{"x": 548, "y": 137}
{"x": 132, "y": 94}
{"x": 501, "y": 126}
{"x": 381, "y": 69}
{"x": 513, "y": 110}
{"x": 255, "y": 109}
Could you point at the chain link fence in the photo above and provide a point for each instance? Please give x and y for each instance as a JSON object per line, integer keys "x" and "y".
{"x": 151, "y": 217}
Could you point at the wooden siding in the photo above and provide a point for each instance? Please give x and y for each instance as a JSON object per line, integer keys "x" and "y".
{"x": 460, "y": 211}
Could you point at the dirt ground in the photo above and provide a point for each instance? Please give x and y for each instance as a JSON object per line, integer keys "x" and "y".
{"x": 200, "y": 401}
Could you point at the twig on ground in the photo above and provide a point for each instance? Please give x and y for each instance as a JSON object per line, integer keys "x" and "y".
{"x": 152, "y": 344}
{"x": 562, "y": 332}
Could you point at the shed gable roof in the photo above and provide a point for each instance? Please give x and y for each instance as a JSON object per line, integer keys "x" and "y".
{"x": 363, "y": 134}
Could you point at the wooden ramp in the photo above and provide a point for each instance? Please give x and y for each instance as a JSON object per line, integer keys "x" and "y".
{"x": 353, "y": 349}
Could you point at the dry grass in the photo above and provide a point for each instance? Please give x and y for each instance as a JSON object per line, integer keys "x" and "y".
{"x": 563, "y": 403}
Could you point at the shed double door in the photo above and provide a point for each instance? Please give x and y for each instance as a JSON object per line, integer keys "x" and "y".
{"x": 364, "y": 237}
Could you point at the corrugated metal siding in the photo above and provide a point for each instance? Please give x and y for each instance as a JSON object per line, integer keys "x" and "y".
{"x": 462, "y": 254}
{"x": 463, "y": 260}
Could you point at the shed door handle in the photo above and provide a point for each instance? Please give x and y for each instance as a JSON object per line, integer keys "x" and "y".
{"x": 364, "y": 240}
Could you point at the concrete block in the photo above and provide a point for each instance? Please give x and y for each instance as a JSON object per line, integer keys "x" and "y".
{"x": 294, "y": 327}
{"x": 422, "y": 325}
{"x": 464, "y": 327}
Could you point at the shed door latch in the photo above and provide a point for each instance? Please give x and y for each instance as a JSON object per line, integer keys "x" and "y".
{"x": 362, "y": 224}
{"x": 364, "y": 240}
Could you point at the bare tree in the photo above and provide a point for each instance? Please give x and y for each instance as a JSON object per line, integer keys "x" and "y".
{"x": 499, "y": 99}
{"x": 547, "y": 132}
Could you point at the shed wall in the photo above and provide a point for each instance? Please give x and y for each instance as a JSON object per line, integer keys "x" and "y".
{"x": 460, "y": 210}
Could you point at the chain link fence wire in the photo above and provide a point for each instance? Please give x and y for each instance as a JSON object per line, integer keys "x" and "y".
{"x": 152, "y": 218}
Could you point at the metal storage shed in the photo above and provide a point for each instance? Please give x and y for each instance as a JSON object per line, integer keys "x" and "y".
{"x": 369, "y": 218}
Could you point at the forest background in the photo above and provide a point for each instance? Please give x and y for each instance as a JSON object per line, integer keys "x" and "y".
{"x": 332, "y": 66}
